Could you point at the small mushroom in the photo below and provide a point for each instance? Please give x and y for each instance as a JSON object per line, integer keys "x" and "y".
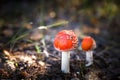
{"x": 88, "y": 44}
{"x": 65, "y": 41}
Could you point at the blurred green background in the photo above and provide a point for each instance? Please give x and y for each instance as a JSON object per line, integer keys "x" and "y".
{"x": 89, "y": 16}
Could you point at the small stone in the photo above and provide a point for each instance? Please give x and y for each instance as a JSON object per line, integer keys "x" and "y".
{"x": 41, "y": 63}
{"x": 75, "y": 79}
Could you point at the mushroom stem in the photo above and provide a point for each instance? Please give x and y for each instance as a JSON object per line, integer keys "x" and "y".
{"x": 65, "y": 62}
{"x": 89, "y": 58}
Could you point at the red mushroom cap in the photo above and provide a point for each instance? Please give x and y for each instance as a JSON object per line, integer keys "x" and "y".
{"x": 88, "y": 43}
{"x": 65, "y": 40}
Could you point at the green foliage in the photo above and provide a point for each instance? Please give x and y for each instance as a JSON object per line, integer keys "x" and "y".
{"x": 22, "y": 34}
{"x": 37, "y": 48}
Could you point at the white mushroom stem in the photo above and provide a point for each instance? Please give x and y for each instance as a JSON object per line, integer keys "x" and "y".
{"x": 89, "y": 58}
{"x": 65, "y": 62}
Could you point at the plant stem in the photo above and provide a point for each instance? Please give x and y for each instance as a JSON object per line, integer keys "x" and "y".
{"x": 65, "y": 62}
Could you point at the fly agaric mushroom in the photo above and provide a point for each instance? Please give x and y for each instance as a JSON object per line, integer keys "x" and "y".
{"x": 88, "y": 44}
{"x": 65, "y": 41}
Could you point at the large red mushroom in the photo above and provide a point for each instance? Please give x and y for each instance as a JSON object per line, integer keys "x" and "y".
{"x": 65, "y": 41}
{"x": 88, "y": 44}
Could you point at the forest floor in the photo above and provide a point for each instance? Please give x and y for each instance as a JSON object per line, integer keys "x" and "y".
{"x": 38, "y": 60}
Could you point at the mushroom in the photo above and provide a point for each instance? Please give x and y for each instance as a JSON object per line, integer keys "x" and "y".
{"x": 65, "y": 41}
{"x": 88, "y": 44}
